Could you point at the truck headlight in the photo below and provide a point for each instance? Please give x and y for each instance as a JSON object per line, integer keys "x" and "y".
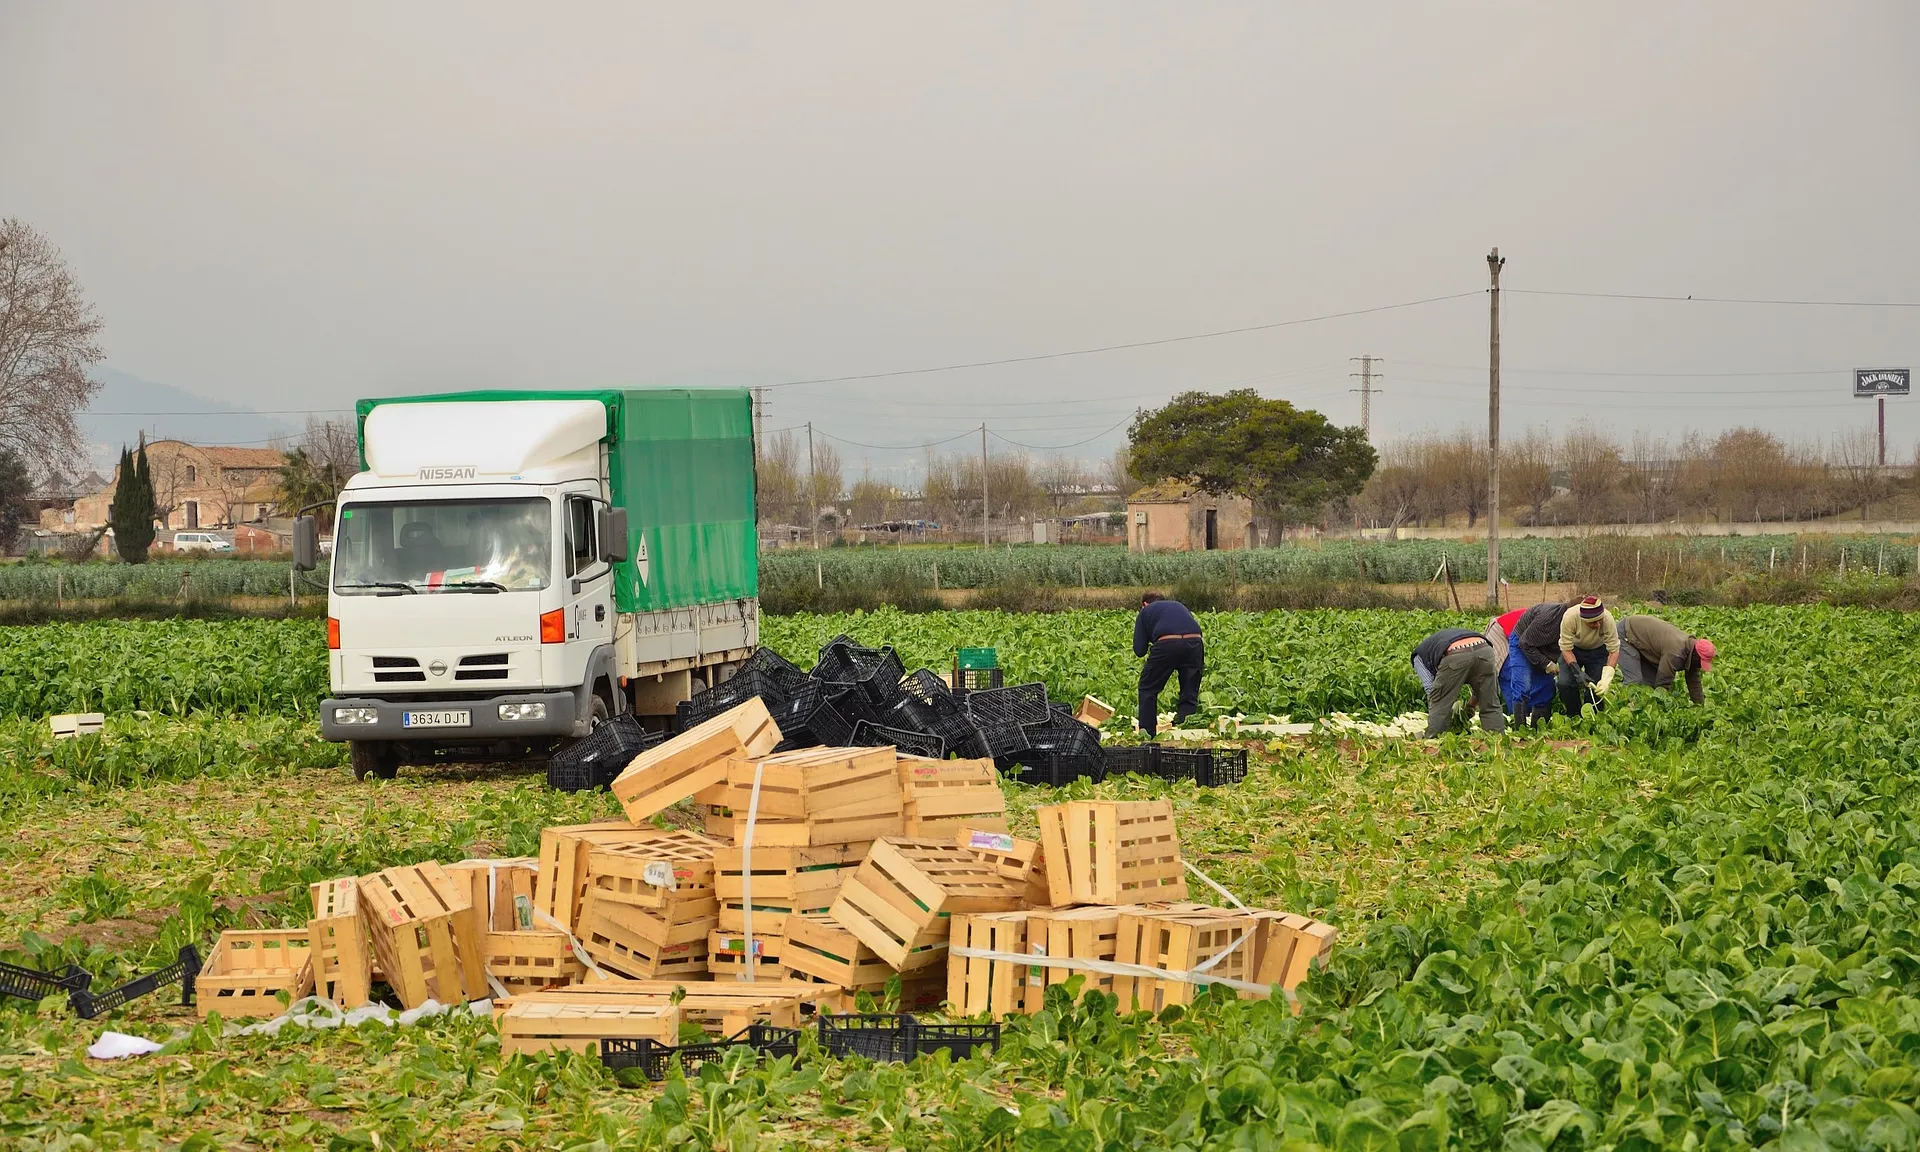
{"x": 523, "y": 711}
{"x": 356, "y": 715}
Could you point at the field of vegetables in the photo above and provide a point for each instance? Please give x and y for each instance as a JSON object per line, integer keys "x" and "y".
{"x": 1666, "y": 927}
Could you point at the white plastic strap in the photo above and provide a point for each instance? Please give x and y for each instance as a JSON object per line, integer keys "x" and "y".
{"x": 746, "y": 875}
{"x": 1210, "y": 882}
{"x": 1115, "y": 968}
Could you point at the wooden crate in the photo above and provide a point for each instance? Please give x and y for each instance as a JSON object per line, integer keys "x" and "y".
{"x": 247, "y": 970}
{"x": 978, "y": 986}
{"x": 943, "y": 796}
{"x": 1179, "y": 939}
{"x": 501, "y": 891}
{"x": 654, "y": 873}
{"x": 564, "y": 852}
{"x": 1288, "y": 948}
{"x": 817, "y": 796}
{"x": 532, "y": 960}
{"x": 1069, "y": 933}
{"x": 425, "y": 934}
{"x": 786, "y": 881}
{"x": 716, "y": 820}
{"x": 727, "y": 956}
{"x": 695, "y": 760}
{"x": 1093, "y": 711}
{"x": 342, "y": 953}
{"x": 720, "y": 1007}
{"x": 900, "y": 900}
{"x": 532, "y": 1025}
{"x": 1111, "y": 852}
{"x": 645, "y": 943}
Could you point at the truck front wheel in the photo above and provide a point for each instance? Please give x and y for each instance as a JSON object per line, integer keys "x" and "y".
{"x": 373, "y": 758}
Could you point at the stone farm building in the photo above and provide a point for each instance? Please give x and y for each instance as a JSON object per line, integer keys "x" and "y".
{"x": 194, "y": 487}
{"x": 1172, "y": 516}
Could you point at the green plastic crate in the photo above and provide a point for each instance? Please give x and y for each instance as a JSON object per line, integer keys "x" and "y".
{"x": 977, "y": 659}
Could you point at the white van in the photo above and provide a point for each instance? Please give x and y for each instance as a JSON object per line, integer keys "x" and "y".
{"x": 200, "y": 542}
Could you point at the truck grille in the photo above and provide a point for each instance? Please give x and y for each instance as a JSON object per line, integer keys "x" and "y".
{"x": 397, "y": 670}
{"x": 490, "y": 667}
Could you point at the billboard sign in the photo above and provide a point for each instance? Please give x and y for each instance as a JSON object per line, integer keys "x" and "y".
{"x": 1882, "y": 381}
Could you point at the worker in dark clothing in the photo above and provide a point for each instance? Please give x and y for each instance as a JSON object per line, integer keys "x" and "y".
{"x": 1169, "y": 637}
{"x": 1538, "y": 638}
{"x": 1453, "y": 657}
{"x": 1652, "y": 651}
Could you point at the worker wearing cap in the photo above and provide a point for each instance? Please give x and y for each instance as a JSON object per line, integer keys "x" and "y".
{"x": 1589, "y": 644}
{"x": 1169, "y": 637}
{"x": 1655, "y": 650}
{"x": 1528, "y": 691}
{"x": 1449, "y": 659}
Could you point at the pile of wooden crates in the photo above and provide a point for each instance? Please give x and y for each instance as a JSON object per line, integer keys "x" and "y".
{"x": 818, "y": 874}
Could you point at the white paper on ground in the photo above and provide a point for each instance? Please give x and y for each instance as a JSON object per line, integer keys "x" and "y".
{"x": 119, "y": 1045}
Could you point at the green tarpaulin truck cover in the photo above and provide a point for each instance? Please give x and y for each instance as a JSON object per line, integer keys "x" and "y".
{"x": 681, "y": 464}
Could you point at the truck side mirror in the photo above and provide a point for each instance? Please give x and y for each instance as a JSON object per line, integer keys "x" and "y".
{"x": 611, "y": 525}
{"x": 306, "y": 543}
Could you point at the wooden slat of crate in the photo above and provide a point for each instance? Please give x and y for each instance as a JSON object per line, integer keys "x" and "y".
{"x": 564, "y": 850}
{"x": 531, "y": 1026}
{"x": 1178, "y": 940}
{"x": 1012, "y": 857}
{"x": 820, "y": 949}
{"x": 695, "y": 760}
{"x": 786, "y": 880}
{"x": 940, "y": 788}
{"x": 980, "y": 986}
{"x": 899, "y": 901}
{"x": 642, "y": 943}
{"x": 724, "y": 1007}
{"x": 817, "y": 783}
{"x": 247, "y": 970}
{"x": 1076, "y": 933}
{"x": 496, "y": 888}
{"x": 653, "y": 873}
{"x": 716, "y": 820}
{"x": 1111, "y": 852}
{"x": 425, "y": 934}
{"x": 342, "y": 954}
{"x": 920, "y": 991}
{"x": 532, "y": 960}
{"x": 727, "y": 956}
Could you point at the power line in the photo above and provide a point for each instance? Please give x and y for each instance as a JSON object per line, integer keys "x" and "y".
{"x": 1723, "y": 299}
{"x": 1121, "y": 347}
{"x": 1659, "y": 375}
{"x": 1075, "y": 444}
{"x": 897, "y": 447}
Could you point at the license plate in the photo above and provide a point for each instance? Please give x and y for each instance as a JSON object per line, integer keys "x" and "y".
{"x": 461, "y": 718}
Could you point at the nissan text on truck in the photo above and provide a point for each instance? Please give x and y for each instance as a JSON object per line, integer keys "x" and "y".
{"x": 512, "y": 568}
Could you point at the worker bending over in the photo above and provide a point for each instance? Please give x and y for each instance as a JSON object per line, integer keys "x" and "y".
{"x": 1448, "y": 659}
{"x": 1589, "y": 644}
{"x": 1655, "y": 650}
{"x": 1169, "y": 637}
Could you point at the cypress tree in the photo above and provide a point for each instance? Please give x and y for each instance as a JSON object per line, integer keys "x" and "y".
{"x": 133, "y": 506}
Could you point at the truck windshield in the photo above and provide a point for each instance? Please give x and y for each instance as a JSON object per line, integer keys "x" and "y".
{"x": 396, "y": 546}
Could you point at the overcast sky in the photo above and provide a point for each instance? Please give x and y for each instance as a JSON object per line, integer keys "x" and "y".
{"x": 290, "y": 206}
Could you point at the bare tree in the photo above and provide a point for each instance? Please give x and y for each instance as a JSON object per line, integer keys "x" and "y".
{"x": 317, "y": 467}
{"x": 1526, "y": 471}
{"x": 1854, "y": 459}
{"x": 1593, "y": 465}
{"x": 781, "y": 472}
{"x": 828, "y": 483}
{"x": 1065, "y": 481}
{"x": 49, "y": 337}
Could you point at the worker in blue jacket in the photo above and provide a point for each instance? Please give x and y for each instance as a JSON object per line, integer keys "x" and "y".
{"x": 1169, "y": 637}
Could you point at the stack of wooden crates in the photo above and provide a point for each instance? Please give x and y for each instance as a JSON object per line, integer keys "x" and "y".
{"x": 818, "y": 877}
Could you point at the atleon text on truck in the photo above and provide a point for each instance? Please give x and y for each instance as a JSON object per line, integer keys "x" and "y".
{"x": 511, "y": 568}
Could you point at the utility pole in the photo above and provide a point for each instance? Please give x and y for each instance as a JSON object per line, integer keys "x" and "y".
{"x": 986, "y": 508}
{"x": 759, "y": 415}
{"x": 1366, "y": 391}
{"x": 1883, "y": 429}
{"x": 813, "y": 491}
{"x": 1495, "y": 262}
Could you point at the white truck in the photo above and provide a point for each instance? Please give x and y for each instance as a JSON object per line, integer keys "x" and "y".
{"x": 512, "y": 568}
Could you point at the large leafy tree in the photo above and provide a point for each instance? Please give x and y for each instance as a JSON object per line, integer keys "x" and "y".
{"x": 1289, "y": 461}
{"x": 133, "y": 506}
{"x": 318, "y": 467}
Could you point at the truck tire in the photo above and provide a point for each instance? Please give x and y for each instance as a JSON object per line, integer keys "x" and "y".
{"x": 373, "y": 758}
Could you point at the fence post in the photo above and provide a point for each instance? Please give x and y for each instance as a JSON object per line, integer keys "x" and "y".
{"x": 1843, "y": 562}
{"x": 1636, "y": 565}
{"x": 293, "y": 596}
{"x": 819, "y": 577}
{"x": 1083, "y": 573}
{"x": 1770, "y": 555}
{"x": 936, "y": 575}
{"x": 59, "y": 589}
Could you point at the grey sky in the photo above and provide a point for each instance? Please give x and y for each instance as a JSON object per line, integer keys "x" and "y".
{"x": 291, "y": 206}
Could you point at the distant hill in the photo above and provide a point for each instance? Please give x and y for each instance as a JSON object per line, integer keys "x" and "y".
{"x": 126, "y": 405}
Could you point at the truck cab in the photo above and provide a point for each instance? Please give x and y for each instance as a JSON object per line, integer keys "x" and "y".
{"x": 493, "y": 593}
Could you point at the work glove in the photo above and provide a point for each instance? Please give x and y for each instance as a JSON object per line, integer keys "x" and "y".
{"x": 1606, "y": 680}
{"x": 1552, "y": 668}
{"x": 1580, "y": 676}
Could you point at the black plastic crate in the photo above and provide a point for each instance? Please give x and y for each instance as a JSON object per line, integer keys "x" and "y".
{"x": 880, "y": 1038}
{"x": 808, "y": 718}
{"x": 770, "y": 1041}
{"x": 182, "y": 971}
{"x": 962, "y": 1040}
{"x": 1059, "y": 753}
{"x": 867, "y": 735}
{"x": 876, "y": 672}
{"x": 967, "y": 681}
{"x": 775, "y": 667}
{"x": 1209, "y": 767}
{"x": 853, "y": 706}
{"x": 1022, "y": 704}
{"x": 959, "y": 733}
{"x": 33, "y": 984}
{"x": 1223, "y": 766}
{"x": 653, "y": 1058}
{"x": 1001, "y": 740}
{"x": 596, "y": 758}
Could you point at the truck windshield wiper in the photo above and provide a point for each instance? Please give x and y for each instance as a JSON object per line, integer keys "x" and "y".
{"x": 473, "y": 586}
{"x": 393, "y": 587}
